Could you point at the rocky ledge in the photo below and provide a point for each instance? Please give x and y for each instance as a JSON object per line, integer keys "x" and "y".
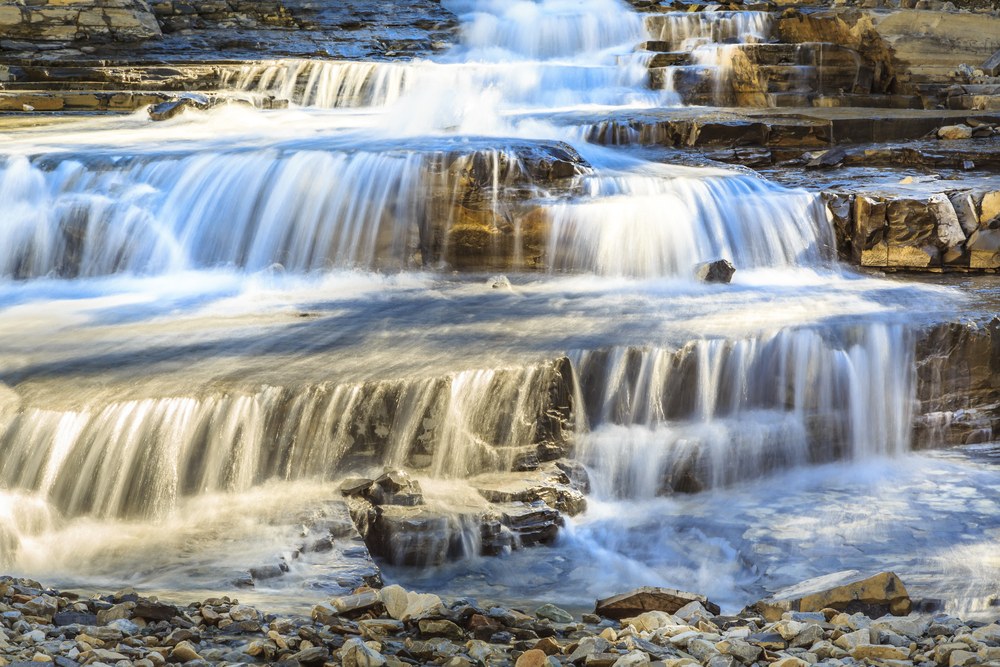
{"x": 835, "y": 621}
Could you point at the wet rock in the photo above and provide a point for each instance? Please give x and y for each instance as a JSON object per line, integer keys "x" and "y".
{"x": 316, "y": 655}
{"x": 183, "y": 652}
{"x": 649, "y": 598}
{"x": 587, "y": 646}
{"x": 395, "y": 600}
{"x": 547, "y": 484}
{"x": 74, "y": 618}
{"x": 554, "y": 613}
{"x": 115, "y": 613}
{"x": 850, "y": 590}
{"x": 827, "y": 159}
{"x": 441, "y": 629}
{"x": 355, "y": 486}
{"x": 719, "y": 271}
{"x": 170, "y": 108}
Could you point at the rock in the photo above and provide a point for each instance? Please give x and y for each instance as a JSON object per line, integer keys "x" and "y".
{"x": 395, "y": 600}
{"x": 105, "y": 616}
{"x": 992, "y": 65}
{"x": 241, "y": 612}
{"x": 848, "y": 590}
{"x": 126, "y": 626}
{"x": 554, "y": 613}
{"x": 355, "y": 486}
{"x": 154, "y": 611}
{"x": 910, "y": 627}
{"x": 769, "y": 641}
{"x": 422, "y": 605}
{"x": 170, "y": 108}
{"x": 950, "y": 235}
{"x": 184, "y": 652}
{"x": 532, "y": 658}
{"x": 649, "y": 598}
{"x": 441, "y": 629}
{"x": 739, "y": 649}
{"x": 990, "y": 208}
{"x": 356, "y": 653}
{"x": 378, "y": 628}
{"x": 830, "y": 158}
{"x": 849, "y": 640}
{"x": 316, "y": 655}
{"x": 965, "y": 210}
{"x": 962, "y": 658}
{"x": 632, "y": 659}
{"x": 498, "y": 282}
{"x": 701, "y": 650}
{"x": 548, "y": 646}
{"x": 987, "y": 633}
{"x": 587, "y": 646}
{"x": 73, "y": 618}
{"x": 351, "y": 603}
{"x": 44, "y": 606}
{"x": 955, "y": 132}
{"x": 825, "y": 650}
{"x": 942, "y": 653}
{"x": 878, "y": 652}
{"x": 719, "y": 271}
{"x": 789, "y": 662}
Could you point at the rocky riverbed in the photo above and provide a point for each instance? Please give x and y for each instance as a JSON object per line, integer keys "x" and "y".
{"x": 833, "y": 621}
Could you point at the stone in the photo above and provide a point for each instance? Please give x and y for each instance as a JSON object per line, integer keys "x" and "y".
{"x": 878, "y": 652}
{"x": 830, "y": 158}
{"x": 355, "y": 486}
{"x": 532, "y": 658}
{"x": 74, "y": 618}
{"x": 378, "y": 628}
{"x": 843, "y": 591}
{"x": 809, "y": 636}
{"x": 739, "y": 649}
{"x": 105, "y": 616}
{"x": 962, "y": 658}
{"x": 154, "y": 611}
{"x": 701, "y": 649}
{"x": 955, "y": 132}
{"x": 987, "y": 633}
{"x": 789, "y": 662}
{"x": 942, "y": 653}
{"x": 587, "y": 646}
{"x": 992, "y": 65}
{"x": 849, "y": 640}
{"x": 184, "y": 652}
{"x": 912, "y": 627}
{"x": 949, "y": 232}
{"x": 554, "y": 613}
{"x": 649, "y": 598}
{"x": 316, "y": 655}
{"x": 632, "y": 659}
{"x": 126, "y": 626}
{"x": 548, "y": 646}
{"x": 719, "y": 271}
{"x": 653, "y": 620}
{"x": 989, "y": 208}
{"x": 480, "y": 651}
{"x": 769, "y": 641}
{"x": 441, "y": 629}
{"x": 422, "y": 605}
{"x": 44, "y": 606}
{"x": 825, "y": 650}
{"x": 984, "y": 249}
{"x": 241, "y": 612}
{"x": 965, "y": 210}
{"x": 356, "y": 653}
{"x": 395, "y": 600}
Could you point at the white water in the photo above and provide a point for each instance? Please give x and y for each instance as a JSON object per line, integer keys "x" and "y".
{"x": 198, "y": 350}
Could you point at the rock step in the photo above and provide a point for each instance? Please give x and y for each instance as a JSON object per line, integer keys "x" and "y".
{"x": 105, "y": 100}
{"x": 975, "y": 102}
{"x": 848, "y": 100}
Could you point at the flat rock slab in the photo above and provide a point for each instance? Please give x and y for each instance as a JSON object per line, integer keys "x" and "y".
{"x": 649, "y": 598}
{"x": 849, "y": 590}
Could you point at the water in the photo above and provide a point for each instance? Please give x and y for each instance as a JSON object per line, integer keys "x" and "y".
{"x": 206, "y": 324}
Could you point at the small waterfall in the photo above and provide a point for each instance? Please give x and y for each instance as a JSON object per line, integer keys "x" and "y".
{"x": 720, "y": 411}
{"x": 686, "y": 31}
{"x": 648, "y": 226}
{"x": 140, "y": 458}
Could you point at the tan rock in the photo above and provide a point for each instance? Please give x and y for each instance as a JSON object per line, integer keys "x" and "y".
{"x": 532, "y": 658}
{"x": 395, "y": 600}
{"x": 878, "y": 652}
{"x": 422, "y": 605}
{"x": 789, "y": 662}
{"x": 990, "y": 207}
{"x": 851, "y": 639}
{"x": 184, "y": 652}
{"x": 962, "y": 659}
{"x": 649, "y": 598}
{"x": 835, "y": 591}
{"x": 942, "y": 654}
{"x": 955, "y": 132}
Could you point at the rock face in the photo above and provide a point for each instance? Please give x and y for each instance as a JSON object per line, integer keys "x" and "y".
{"x": 849, "y": 591}
{"x": 649, "y": 598}
{"x": 903, "y": 228}
{"x": 84, "y": 20}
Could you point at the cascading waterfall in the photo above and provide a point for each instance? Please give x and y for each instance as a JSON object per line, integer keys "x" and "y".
{"x": 719, "y": 411}
{"x": 141, "y": 458}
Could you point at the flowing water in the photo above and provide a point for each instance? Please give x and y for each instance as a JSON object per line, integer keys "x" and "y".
{"x": 208, "y": 323}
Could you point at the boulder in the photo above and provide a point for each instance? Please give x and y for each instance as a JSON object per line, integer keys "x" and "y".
{"x": 990, "y": 208}
{"x": 850, "y": 591}
{"x": 532, "y": 658}
{"x": 395, "y": 600}
{"x": 357, "y": 654}
{"x": 719, "y": 271}
{"x": 649, "y": 598}
{"x": 554, "y": 613}
{"x": 955, "y": 132}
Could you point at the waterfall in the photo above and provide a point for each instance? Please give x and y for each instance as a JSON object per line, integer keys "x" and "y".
{"x": 719, "y": 411}
{"x": 139, "y": 458}
{"x": 312, "y": 210}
